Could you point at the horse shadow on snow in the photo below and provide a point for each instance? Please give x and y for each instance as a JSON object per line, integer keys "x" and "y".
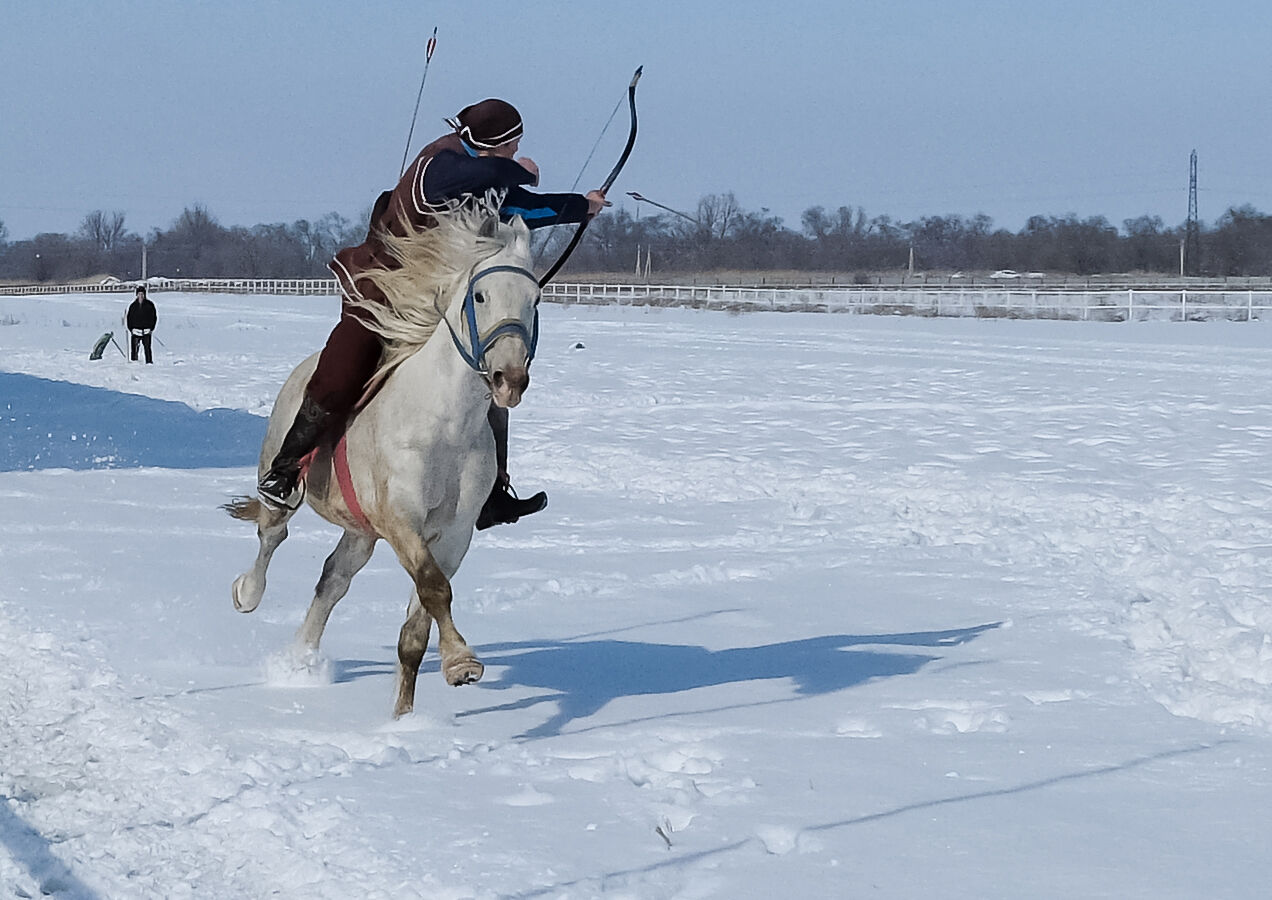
{"x": 582, "y": 676}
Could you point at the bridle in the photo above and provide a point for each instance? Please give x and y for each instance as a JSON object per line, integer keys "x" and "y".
{"x": 478, "y": 343}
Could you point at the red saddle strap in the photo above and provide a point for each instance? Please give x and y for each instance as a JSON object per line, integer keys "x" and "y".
{"x": 340, "y": 456}
{"x": 340, "y": 463}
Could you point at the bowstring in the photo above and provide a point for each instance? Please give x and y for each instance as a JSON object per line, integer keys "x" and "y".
{"x": 599, "y": 138}
{"x": 551, "y": 237}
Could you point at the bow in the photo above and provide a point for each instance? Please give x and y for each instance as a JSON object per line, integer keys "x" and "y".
{"x": 609, "y": 181}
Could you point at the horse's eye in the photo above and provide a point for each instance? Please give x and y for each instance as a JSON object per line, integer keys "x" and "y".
{"x": 479, "y": 297}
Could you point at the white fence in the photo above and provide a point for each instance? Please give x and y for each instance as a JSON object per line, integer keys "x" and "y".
{"x": 302, "y": 286}
{"x": 989, "y": 302}
{"x": 1109, "y": 305}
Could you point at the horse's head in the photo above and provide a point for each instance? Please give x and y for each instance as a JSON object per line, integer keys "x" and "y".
{"x": 479, "y": 270}
{"x": 500, "y": 315}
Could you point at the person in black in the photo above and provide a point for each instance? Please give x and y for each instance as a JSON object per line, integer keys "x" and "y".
{"x": 478, "y": 155}
{"x": 141, "y": 321}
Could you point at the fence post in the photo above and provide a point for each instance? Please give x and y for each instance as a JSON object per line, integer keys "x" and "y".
{"x": 1249, "y": 306}
{"x": 1183, "y": 305}
{"x": 1130, "y": 306}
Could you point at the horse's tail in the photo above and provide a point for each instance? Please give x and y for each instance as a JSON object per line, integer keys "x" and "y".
{"x": 246, "y": 508}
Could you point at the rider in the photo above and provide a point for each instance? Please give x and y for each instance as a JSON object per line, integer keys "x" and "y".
{"x": 476, "y": 157}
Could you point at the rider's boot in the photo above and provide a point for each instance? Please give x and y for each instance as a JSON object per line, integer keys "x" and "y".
{"x": 504, "y": 507}
{"x": 283, "y": 476}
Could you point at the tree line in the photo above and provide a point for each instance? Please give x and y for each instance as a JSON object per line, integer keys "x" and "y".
{"x": 196, "y": 245}
{"x": 718, "y": 235}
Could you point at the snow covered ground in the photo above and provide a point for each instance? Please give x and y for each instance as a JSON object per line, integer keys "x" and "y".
{"x": 822, "y": 605}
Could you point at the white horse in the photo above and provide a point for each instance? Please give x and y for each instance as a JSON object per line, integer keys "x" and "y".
{"x": 420, "y": 454}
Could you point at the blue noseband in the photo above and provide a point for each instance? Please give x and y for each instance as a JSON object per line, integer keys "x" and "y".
{"x": 475, "y": 353}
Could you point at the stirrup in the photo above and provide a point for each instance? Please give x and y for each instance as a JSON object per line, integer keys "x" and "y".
{"x": 274, "y": 501}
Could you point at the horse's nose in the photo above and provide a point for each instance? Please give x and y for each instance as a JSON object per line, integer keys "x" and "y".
{"x": 507, "y": 385}
{"x": 511, "y": 379}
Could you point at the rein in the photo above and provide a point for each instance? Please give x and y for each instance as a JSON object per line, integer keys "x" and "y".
{"x": 475, "y": 353}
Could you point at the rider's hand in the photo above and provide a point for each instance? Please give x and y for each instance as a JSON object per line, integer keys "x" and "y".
{"x": 529, "y": 165}
{"x": 596, "y": 202}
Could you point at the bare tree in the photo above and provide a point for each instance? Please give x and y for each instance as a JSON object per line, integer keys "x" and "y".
{"x": 847, "y": 224}
{"x": 1148, "y": 246}
{"x": 334, "y": 231}
{"x": 309, "y": 239}
{"x": 197, "y": 228}
{"x": 103, "y": 229}
{"x": 1241, "y": 242}
{"x": 718, "y": 214}
{"x": 319, "y": 240}
{"x": 815, "y": 222}
{"x": 4, "y": 233}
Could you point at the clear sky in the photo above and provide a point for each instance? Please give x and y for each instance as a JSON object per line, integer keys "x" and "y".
{"x": 273, "y": 111}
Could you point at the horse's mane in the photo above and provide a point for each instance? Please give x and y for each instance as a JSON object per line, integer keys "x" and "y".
{"x": 432, "y": 263}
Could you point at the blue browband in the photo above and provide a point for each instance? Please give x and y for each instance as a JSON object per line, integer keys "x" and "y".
{"x": 479, "y": 343}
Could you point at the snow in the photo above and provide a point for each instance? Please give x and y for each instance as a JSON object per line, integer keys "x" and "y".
{"x": 846, "y": 605}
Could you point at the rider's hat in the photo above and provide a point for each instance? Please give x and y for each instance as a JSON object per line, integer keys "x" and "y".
{"x": 488, "y": 124}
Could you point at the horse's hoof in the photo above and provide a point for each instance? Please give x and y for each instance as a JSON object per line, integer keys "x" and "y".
{"x": 403, "y": 708}
{"x": 242, "y": 604}
{"x": 464, "y": 671}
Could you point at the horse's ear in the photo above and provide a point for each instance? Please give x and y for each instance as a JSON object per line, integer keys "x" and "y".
{"x": 520, "y": 230}
{"x": 490, "y": 227}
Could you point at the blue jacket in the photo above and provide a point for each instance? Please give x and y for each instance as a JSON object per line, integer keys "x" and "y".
{"x": 452, "y": 175}
{"x": 445, "y": 171}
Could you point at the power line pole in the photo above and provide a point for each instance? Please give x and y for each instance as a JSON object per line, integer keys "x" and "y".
{"x": 1192, "y": 231}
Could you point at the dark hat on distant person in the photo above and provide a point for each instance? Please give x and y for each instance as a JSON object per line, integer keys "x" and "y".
{"x": 488, "y": 124}
{"x": 141, "y": 289}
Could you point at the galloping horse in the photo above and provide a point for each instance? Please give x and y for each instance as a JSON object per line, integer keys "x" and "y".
{"x": 420, "y": 454}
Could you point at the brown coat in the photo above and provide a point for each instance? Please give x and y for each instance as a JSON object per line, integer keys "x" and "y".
{"x": 405, "y": 202}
